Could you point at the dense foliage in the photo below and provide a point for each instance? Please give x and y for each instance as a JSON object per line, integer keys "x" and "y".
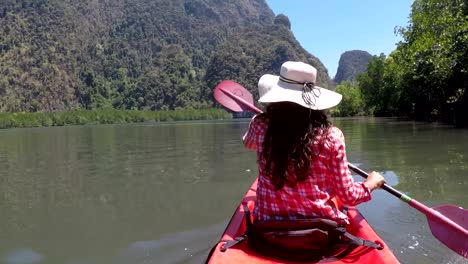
{"x": 426, "y": 77}
{"x": 351, "y": 64}
{"x": 60, "y": 55}
{"x": 352, "y": 103}
{"x": 433, "y": 61}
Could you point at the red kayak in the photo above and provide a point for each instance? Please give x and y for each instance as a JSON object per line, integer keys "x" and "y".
{"x": 241, "y": 253}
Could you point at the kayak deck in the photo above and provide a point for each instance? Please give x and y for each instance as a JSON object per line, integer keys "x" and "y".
{"x": 241, "y": 253}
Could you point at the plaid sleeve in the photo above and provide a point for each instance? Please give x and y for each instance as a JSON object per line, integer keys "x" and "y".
{"x": 348, "y": 191}
{"x": 255, "y": 130}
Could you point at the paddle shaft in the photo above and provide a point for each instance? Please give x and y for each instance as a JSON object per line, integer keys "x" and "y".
{"x": 385, "y": 186}
{"x": 405, "y": 198}
{"x": 435, "y": 215}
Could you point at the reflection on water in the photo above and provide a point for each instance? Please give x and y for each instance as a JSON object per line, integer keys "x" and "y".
{"x": 22, "y": 256}
{"x": 163, "y": 193}
{"x": 181, "y": 247}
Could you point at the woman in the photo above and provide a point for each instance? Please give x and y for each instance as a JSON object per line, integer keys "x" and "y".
{"x": 301, "y": 157}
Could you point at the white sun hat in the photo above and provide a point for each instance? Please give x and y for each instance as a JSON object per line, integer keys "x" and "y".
{"x": 296, "y": 84}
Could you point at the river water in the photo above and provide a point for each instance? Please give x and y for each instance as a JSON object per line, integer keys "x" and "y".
{"x": 163, "y": 193}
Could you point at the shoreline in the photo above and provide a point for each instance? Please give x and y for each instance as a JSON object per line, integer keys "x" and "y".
{"x": 105, "y": 116}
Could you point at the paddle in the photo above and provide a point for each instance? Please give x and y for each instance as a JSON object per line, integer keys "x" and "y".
{"x": 448, "y": 223}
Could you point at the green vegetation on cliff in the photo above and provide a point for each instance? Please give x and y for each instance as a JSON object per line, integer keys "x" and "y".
{"x": 351, "y": 64}
{"x": 58, "y": 55}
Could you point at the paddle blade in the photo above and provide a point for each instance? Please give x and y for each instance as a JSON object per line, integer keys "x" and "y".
{"x": 234, "y": 96}
{"x": 455, "y": 238}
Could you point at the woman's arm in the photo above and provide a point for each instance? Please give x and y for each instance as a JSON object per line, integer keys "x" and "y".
{"x": 346, "y": 189}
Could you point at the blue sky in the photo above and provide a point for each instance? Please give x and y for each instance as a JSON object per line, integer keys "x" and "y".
{"x": 328, "y": 28}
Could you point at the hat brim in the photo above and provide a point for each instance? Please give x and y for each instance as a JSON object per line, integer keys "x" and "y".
{"x": 278, "y": 91}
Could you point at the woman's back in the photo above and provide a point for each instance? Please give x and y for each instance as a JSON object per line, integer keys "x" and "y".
{"x": 311, "y": 197}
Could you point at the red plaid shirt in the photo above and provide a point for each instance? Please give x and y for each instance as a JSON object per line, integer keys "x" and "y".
{"x": 329, "y": 178}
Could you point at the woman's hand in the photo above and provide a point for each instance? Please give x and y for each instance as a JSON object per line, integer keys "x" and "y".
{"x": 374, "y": 180}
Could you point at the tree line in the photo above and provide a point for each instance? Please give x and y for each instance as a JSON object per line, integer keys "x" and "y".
{"x": 106, "y": 116}
{"x": 425, "y": 77}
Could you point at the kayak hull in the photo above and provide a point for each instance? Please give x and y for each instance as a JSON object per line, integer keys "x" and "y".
{"x": 241, "y": 253}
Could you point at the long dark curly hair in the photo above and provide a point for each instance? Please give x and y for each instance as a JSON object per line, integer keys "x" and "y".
{"x": 289, "y": 140}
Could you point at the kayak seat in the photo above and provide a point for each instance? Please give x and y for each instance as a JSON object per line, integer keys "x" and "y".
{"x": 312, "y": 239}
